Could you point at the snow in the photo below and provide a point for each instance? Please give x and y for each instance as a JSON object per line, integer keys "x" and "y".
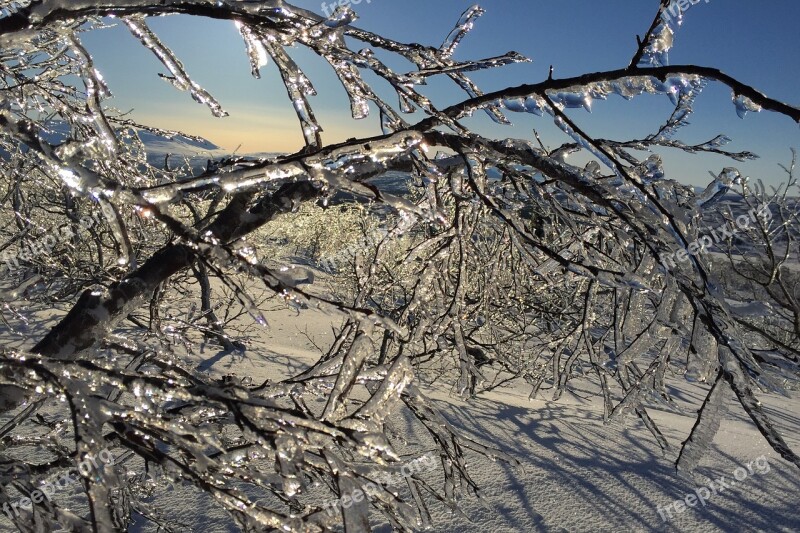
{"x": 576, "y": 474}
{"x": 247, "y": 430}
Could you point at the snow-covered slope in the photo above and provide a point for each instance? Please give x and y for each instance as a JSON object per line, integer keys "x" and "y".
{"x": 179, "y": 149}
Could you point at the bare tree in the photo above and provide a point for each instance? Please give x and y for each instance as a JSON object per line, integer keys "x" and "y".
{"x": 508, "y": 264}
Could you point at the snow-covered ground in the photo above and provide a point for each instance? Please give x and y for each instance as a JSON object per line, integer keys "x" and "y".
{"x": 576, "y": 474}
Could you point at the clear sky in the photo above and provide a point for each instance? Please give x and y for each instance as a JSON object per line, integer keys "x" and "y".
{"x": 756, "y": 42}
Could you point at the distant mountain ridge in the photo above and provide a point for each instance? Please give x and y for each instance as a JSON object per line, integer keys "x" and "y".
{"x": 179, "y": 148}
{"x": 151, "y": 139}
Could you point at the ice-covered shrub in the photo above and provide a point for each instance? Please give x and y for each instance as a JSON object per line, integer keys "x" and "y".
{"x": 511, "y": 263}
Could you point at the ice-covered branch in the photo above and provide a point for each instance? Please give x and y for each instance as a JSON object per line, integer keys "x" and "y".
{"x": 626, "y": 83}
{"x": 496, "y": 261}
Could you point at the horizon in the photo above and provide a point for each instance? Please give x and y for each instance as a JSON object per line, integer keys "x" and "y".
{"x": 262, "y": 119}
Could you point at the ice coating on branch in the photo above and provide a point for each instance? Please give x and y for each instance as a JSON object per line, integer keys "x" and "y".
{"x": 299, "y": 88}
{"x": 490, "y": 220}
{"x": 741, "y": 384}
{"x": 179, "y": 77}
{"x": 651, "y": 170}
{"x": 721, "y": 184}
{"x": 357, "y": 91}
{"x": 684, "y": 109}
{"x": 583, "y": 142}
{"x": 464, "y": 25}
{"x": 289, "y": 452}
{"x": 384, "y": 401}
{"x": 675, "y": 88}
{"x": 745, "y": 105}
{"x": 343, "y": 16}
{"x": 256, "y": 51}
{"x": 720, "y": 141}
{"x": 351, "y": 365}
{"x": 339, "y": 162}
{"x": 658, "y": 47}
{"x": 568, "y": 253}
{"x": 10, "y": 7}
{"x": 105, "y": 144}
{"x": 702, "y": 359}
{"x": 238, "y": 180}
{"x": 661, "y": 39}
{"x": 705, "y": 429}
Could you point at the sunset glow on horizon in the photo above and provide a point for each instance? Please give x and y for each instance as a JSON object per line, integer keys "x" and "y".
{"x": 262, "y": 118}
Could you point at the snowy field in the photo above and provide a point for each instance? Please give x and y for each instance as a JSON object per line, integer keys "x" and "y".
{"x": 575, "y": 474}
{"x": 422, "y": 324}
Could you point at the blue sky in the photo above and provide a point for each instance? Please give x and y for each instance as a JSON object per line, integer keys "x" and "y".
{"x": 756, "y": 42}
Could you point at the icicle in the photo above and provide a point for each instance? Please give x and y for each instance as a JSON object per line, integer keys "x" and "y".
{"x": 572, "y": 100}
{"x": 180, "y": 78}
{"x": 592, "y": 170}
{"x": 357, "y": 91}
{"x": 464, "y": 26}
{"x": 657, "y": 51}
{"x": 255, "y": 49}
{"x": 299, "y": 88}
{"x": 744, "y": 105}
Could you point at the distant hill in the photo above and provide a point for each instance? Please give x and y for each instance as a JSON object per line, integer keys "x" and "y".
{"x": 179, "y": 149}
